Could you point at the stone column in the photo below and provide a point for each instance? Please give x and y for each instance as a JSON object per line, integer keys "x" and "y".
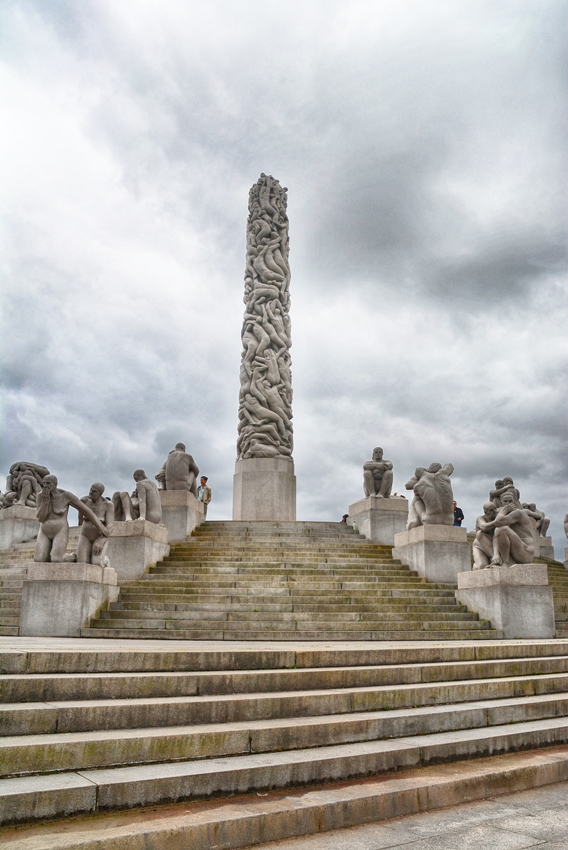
{"x": 517, "y": 599}
{"x": 264, "y": 485}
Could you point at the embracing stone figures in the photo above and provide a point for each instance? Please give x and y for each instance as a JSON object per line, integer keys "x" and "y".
{"x": 433, "y": 502}
{"x": 507, "y": 532}
{"x": 265, "y": 401}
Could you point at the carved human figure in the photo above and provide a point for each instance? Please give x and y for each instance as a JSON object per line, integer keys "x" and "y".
{"x": 513, "y": 539}
{"x": 433, "y": 502}
{"x": 501, "y": 487}
{"x": 23, "y": 484}
{"x": 52, "y": 511}
{"x": 92, "y": 546}
{"x": 541, "y": 521}
{"x": 483, "y": 543}
{"x": 179, "y": 471}
{"x": 144, "y": 503}
{"x": 377, "y": 475}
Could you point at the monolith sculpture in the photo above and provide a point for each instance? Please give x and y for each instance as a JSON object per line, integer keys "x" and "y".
{"x": 264, "y": 485}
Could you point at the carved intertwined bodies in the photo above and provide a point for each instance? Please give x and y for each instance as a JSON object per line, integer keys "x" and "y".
{"x": 265, "y": 408}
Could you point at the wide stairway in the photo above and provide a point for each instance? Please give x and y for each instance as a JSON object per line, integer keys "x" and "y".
{"x": 357, "y": 732}
{"x": 285, "y": 581}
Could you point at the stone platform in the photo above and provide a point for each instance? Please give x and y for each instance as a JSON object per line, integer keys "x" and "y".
{"x": 379, "y": 519}
{"x": 436, "y": 552}
{"x": 18, "y": 524}
{"x": 133, "y": 546}
{"x": 181, "y": 513}
{"x": 264, "y": 489}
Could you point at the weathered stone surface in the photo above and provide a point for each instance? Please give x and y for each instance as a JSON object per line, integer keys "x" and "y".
{"x": 436, "y": 552}
{"x": 181, "y": 513}
{"x": 264, "y": 489}
{"x": 18, "y": 524}
{"x": 379, "y": 519}
{"x": 516, "y": 599}
{"x": 59, "y": 599}
{"x": 546, "y": 547}
{"x": 134, "y": 546}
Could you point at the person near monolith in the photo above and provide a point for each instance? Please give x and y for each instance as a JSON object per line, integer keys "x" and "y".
{"x": 204, "y": 494}
{"x": 433, "y": 502}
{"x": 92, "y": 546}
{"x": 377, "y": 476}
{"x": 179, "y": 471}
{"x": 513, "y": 538}
{"x": 52, "y": 511}
{"x": 144, "y": 503}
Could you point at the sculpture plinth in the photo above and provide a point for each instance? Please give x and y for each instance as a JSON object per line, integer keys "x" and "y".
{"x": 181, "y": 513}
{"x": 517, "y": 599}
{"x": 59, "y": 599}
{"x": 18, "y": 524}
{"x": 437, "y": 552}
{"x": 264, "y": 489}
{"x": 379, "y": 519}
{"x": 136, "y": 545}
{"x": 264, "y": 486}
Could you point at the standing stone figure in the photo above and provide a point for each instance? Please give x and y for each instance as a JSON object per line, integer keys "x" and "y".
{"x": 92, "y": 545}
{"x": 377, "y": 475}
{"x": 179, "y": 471}
{"x": 265, "y": 400}
{"x": 52, "y": 510}
{"x": 433, "y": 502}
{"x": 23, "y": 484}
{"x": 144, "y": 503}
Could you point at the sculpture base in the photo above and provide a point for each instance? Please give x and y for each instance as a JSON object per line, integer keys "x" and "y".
{"x": 18, "y": 524}
{"x": 264, "y": 488}
{"x": 517, "y": 600}
{"x": 379, "y": 519}
{"x": 566, "y": 558}
{"x": 181, "y": 513}
{"x": 546, "y": 548}
{"x": 437, "y": 552}
{"x": 134, "y": 546}
{"x": 59, "y": 599}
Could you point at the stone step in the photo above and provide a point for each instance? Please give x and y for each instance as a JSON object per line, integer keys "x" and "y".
{"x": 300, "y": 607}
{"x": 288, "y": 616}
{"x": 35, "y": 754}
{"x": 425, "y": 595}
{"x": 23, "y": 798}
{"x": 42, "y": 687}
{"x": 312, "y": 625}
{"x": 430, "y": 634}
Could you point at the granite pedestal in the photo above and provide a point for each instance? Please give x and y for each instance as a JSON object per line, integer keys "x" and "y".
{"x": 437, "y": 552}
{"x": 379, "y": 519}
{"x": 546, "y": 548}
{"x": 59, "y": 599}
{"x": 181, "y": 513}
{"x": 264, "y": 488}
{"x": 517, "y": 599}
{"x": 18, "y": 524}
{"x": 136, "y": 545}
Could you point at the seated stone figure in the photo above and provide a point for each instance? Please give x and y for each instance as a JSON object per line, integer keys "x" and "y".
{"x": 179, "y": 471}
{"x": 483, "y": 543}
{"x": 433, "y": 502}
{"x": 92, "y": 545}
{"x": 52, "y": 510}
{"x": 23, "y": 484}
{"x": 377, "y": 476}
{"x": 513, "y": 539}
{"x": 541, "y": 521}
{"x": 144, "y": 503}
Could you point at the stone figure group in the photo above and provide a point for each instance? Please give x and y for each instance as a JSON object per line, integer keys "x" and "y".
{"x": 433, "y": 502}
{"x": 32, "y": 485}
{"x": 265, "y": 400}
{"x": 508, "y": 531}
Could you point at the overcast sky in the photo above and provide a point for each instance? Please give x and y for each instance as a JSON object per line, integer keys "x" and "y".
{"x": 423, "y": 145}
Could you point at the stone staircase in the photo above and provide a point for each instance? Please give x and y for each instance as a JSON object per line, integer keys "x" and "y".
{"x": 558, "y": 580}
{"x": 285, "y": 581}
{"x": 95, "y": 726}
{"x": 14, "y": 564}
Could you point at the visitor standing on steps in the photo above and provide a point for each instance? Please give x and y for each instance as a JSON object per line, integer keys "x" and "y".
{"x": 204, "y": 494}
{"x": 458, "y": 515}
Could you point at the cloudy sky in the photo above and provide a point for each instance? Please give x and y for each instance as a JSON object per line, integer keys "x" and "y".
{"x": 423, "y": 143}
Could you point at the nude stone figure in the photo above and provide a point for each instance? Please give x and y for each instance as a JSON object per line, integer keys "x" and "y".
{"x": 52, "y": 510}
{"x": 377, "y": 475}
{"x": 502, "y": 487}
{"x": 433, "y": 502}
{"x": 513, "y": 540}
{"x": 144, "y": 503}
{"x": 92, "y": 545}
{"x": 179, "y": 471}
{"x": 541, "y": 521}
{"x": 483, "y": 543}
{"x": 23, "y": 484}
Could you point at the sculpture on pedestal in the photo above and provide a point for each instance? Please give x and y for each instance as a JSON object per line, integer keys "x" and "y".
{"x": 541, "y": 521}
{"x": 265, "y": 401}
{"x": 513, "y": 538}
{"x": 144, "y": 503}
{"x": 52, "y": 510}
{"x": 23, "y": 484}
{"x": 377, "y": 476}
{"x": 483, "y": 543}
{"x": 179, "y": 471}
{"x": 93, "y": 545}
{"x": 433, "y": 502}
{"x": 503, "y": 486}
